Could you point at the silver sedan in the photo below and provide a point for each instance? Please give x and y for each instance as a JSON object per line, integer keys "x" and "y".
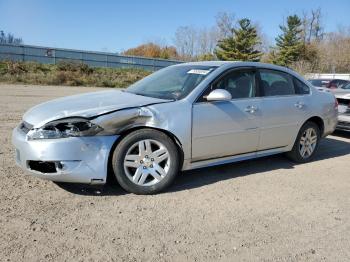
{"x": 186, "y": 116}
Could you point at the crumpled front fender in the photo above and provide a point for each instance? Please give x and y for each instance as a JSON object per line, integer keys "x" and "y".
{"x": 122, "y": 120}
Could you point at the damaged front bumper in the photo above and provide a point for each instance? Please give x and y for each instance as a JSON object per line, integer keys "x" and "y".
{"x": 72, "y": 159}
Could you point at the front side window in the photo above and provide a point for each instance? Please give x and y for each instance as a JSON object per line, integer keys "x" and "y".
{"x": 174, "y": 82}
{"x": 275, "y": 83}
{"x": 240, "y": 84}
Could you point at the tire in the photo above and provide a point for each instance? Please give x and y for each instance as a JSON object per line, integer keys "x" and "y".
{"x": 145, "y": 161}
{"x": 296, "y": 154}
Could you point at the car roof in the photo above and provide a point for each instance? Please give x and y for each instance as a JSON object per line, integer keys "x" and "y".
{"x": 233, "y": 64}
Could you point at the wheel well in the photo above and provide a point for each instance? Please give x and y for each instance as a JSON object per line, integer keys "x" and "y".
{"x": 319, "y": 122}
{"x": 128, "y": 131}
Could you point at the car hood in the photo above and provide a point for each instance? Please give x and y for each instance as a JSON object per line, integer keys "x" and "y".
{"x": 86, "y": 105}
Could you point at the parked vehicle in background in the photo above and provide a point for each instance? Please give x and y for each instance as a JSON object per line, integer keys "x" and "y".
{"x": 319, "y": 82}
{"x": 186, "y": 116}
{"x": 343, "y": 97}
{"x": 329, "y": 83}
{"x": 345, "y": 89}
{"x": 337, "y": 83}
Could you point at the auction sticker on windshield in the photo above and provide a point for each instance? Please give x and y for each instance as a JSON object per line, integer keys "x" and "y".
{"x": 198, "y": 71}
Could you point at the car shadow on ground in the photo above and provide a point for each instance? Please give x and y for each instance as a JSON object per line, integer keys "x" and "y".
{"x": 328, "y": 148}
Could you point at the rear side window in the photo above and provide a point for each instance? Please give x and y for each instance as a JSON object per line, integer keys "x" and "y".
{"x": 300, "y": 87}
{"x": 275, "y": 83}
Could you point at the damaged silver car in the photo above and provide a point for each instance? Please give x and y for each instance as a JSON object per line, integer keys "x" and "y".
{"x": 186, "y": 116}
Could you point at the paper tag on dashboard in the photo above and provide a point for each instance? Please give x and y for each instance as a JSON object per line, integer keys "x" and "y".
{"x": 198, "y": 72}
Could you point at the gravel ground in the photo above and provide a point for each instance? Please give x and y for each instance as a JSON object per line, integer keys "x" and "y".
{"x": 261, "y": 210}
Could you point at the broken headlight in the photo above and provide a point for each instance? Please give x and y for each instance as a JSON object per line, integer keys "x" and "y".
{"x": 73, "y": 127}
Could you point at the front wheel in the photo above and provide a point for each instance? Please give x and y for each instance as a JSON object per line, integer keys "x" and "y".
{"x": 306, "y": 143}
{"x": 145, "y": 161}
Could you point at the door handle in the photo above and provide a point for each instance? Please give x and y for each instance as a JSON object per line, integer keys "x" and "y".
{"x": 299, "y": 105}
{"x": 251, "y": 109}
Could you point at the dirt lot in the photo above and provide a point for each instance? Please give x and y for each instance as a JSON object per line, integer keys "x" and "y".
{"x": 266, "y": 210}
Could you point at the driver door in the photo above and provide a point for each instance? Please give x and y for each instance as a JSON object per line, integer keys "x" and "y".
{"x": 227, "y": 128}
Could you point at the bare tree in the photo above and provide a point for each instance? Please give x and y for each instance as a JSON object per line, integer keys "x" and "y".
{"x": 334, "y": 52}
{"x": 9, "y": 38}
{"x": 313, "y": 29}
{"x": 264, "y": 45}
{"x": 192, "y": 42}
{"x": 225, "y": 22}
{"x": 185, "y": 38}
{"x": 207, "y": 40}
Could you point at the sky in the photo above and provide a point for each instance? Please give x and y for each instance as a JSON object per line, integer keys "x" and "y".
{"x": 114, "y": 26}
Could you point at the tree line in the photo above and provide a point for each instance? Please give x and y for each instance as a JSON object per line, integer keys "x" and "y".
{"x": 8, "y": 38}
{"x": 302, "y": 44}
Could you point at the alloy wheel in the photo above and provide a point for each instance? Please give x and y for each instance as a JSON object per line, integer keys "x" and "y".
{"x": 308, "y": 142}
{"x": 147, "y": 162}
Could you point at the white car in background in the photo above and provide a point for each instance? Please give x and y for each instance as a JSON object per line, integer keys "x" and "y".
{"x": 343, "y": 97}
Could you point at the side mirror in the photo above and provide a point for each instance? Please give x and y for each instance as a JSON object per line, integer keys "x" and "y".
{"x": 219, "y": 95}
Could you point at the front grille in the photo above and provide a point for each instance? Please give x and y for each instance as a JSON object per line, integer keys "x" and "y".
{"x": 42, "y": 166}
{"x": 25, "y": 127}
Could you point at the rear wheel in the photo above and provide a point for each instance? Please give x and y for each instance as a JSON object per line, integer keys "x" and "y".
{"x": 306, "y": 143}
{"x": 145, "y": 161}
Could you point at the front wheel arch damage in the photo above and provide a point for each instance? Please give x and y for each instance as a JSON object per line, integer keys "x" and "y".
{"x": 110, "y": 175}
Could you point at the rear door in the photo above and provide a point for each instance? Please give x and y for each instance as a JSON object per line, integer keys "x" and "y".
{"x": 283, "y": 108}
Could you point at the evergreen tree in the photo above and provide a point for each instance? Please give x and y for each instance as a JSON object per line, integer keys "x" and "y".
{"x": 241, "y": 45}
{"x": 289, "y": 44}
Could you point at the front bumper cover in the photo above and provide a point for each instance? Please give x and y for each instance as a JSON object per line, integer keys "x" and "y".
{"x": 79, "y": 159}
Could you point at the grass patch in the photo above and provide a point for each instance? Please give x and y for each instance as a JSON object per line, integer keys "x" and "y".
{"x": 68, "y": 74}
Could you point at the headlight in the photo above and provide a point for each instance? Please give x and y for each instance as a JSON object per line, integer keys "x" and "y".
{"x": 72, "y": 127}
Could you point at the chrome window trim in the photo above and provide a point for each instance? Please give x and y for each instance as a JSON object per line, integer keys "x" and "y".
{"x": 232, "y": 100}
{"x": 295, "y": 95}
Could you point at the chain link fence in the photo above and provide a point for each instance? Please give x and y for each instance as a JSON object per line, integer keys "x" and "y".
{"x": 48, "y": 55}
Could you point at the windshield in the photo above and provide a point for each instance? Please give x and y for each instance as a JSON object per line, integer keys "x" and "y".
{"x": 174, "y": 82}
